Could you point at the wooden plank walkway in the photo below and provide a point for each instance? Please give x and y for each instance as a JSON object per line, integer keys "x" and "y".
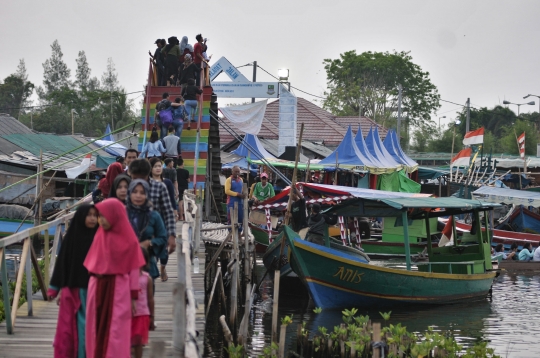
{"x": 33, "y": 336}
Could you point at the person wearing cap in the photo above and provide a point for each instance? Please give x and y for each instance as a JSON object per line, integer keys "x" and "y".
{"x": 318, "y": 224}
{"x": 262, "y": 190}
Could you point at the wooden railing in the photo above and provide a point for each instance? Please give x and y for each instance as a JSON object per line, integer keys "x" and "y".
{"x": 25, "y": 237}
{"x": 184, "y": 305}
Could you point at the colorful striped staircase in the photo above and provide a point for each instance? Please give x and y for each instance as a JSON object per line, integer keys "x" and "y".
{"x": 189, "y": 137}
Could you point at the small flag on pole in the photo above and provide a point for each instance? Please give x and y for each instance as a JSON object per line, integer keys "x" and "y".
{"x": 474, "y": 137}
{"x": 447, "y": 237}
{"x": 74, "y": 172}
{"x": 463, "y": 158}
{"x": 521, "y": 145}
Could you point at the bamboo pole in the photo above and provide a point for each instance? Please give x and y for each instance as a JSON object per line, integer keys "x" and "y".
{"x": 307, "y": 171}
{"x": 335, "y": 173}
{"x": 282, "y": 337}
{"x": 218, "y": 251}
{"x": 275, "y": 306}
{"x": 46, "y": 256}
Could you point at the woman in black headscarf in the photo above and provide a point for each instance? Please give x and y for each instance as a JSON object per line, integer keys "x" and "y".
{"x": 147, "y": 223}
{"x": 70, "y": 278}
{"x": 120, "y": 186}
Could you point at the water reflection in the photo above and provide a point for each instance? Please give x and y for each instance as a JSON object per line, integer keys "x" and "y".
{"x": 510, "y": 322}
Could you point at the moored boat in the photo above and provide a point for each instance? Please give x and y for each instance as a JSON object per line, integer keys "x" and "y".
{"x": 453, "y": 273}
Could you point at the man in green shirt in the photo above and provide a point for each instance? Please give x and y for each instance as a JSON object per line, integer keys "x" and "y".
{"x": 262, "y": 190}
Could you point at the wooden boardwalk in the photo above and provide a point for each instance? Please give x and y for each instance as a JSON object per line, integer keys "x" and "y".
{"x": 33, "y": 335}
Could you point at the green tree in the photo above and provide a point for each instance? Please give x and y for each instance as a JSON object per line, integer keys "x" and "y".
{"x": 56, "y": 74}
{"x": 83, "y": 81}
{"x": 372, "y": 79}
{"x": 14, "y": 93}
{"x": 109, "y": 79}
{"x": 493, "y": 120}
{"x": 508, "y": 142}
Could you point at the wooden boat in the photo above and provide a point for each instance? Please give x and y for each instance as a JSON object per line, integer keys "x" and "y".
{"x": 272, "y": 259}
{"x": 453, "y": 273}
{"x": 504, "y": 237}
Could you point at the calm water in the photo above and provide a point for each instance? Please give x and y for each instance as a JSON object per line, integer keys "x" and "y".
{"x": 510, "y": 322}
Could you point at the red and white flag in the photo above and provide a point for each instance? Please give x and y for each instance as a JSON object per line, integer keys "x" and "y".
{"x": 447, "y": 237}
{"x": 74, "y": 172}
{"x": 474, "y": 137}
{"x": 463, "y": 158}
{"x": 521, "y": 145}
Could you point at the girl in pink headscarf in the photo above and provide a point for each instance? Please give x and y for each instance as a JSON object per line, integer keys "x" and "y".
{"x": 113, "y": 261}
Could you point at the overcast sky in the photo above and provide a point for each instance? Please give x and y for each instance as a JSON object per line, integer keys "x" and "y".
{"x": 486, "y": 50}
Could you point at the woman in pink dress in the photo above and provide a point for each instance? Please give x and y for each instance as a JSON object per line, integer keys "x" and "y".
{"x": 113, "y": 261}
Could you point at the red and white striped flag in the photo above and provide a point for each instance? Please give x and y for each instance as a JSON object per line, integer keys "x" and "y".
{"x": 447, "y": 237}
{"x": 521, "y": 145}
{"x": 463, "y": 158}
{"x": 474, "y": 137}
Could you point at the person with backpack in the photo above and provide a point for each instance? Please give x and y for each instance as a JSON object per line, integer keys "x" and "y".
{"x": 190, "y": 99}
{"x": 164, "y": 114}
{"x": 178, "y": 118}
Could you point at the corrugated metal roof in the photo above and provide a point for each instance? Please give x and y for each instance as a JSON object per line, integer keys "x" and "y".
{"x": 10, "y": 125}
{"x": 364, "y": 122}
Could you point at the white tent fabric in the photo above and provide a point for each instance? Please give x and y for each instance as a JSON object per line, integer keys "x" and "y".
{"x": 74, "y": 172}
{"x": 248, "y": 117}
{"x": 507, "y": 196}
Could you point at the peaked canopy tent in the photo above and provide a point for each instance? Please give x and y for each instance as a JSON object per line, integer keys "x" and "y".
{"x": 361, "y": 144}
{"x": 372, "y": 143}
{"x": 252, "y": 142}
{"x": 391, "y": 143}
{"x": 348, "y": 155}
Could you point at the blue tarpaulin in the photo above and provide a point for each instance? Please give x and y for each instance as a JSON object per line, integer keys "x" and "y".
{"x": 255, "y": 150}
{"x": 347, "y": 153}
{"x": 371, "y": 143}
{"x": 391, "y": 143}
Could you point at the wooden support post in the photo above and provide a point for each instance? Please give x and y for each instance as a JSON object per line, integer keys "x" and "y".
{"x": 18, "y": 285}
{"x": 234, "y": 277}
{"x": 282, "y": 339}
{"x": 245, "y": 225}
{"x": 209, "y": 304}
{"x": 28, "y": 269}
{"x": 37, "y": 270}
{"x": 46, "y": 257}
{"x": 277, "y": 276}
{"x": 5, "y": 292}
{"x": 376, "y": 338}
{"x": 218, "y": 251}
{"x": 226, "y": 331}
{"x": 55, "y": 247}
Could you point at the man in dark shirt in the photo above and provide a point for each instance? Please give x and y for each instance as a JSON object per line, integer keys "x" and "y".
{"x": 158, "y": 61}
{"x": 298, "y": 210}
{"x": 198, "y": 58}
{"x": 318, "y": 224}
{"x": 182, "y": 177}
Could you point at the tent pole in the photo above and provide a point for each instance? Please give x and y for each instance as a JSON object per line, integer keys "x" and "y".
{"x": 406, "y": 239}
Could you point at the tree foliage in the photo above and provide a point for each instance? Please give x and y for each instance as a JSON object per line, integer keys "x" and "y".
{"x": 367, "y": 84}
{"x": 501, "y": 127}
{"x": 56, "y": 74}
{"x": 95, "y": 106}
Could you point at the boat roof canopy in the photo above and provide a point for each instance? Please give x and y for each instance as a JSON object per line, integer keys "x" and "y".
{"x": 507, "y": 196}
{"x": 417, "y": 206}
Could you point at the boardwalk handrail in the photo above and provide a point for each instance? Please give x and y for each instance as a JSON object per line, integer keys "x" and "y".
{"x": 184, "y": 305}
{"x": 27, "y": 250}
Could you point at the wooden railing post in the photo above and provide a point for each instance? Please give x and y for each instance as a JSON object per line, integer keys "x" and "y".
{"x": 5, "y": 291}
{"x": 18, "y": 284}
{"x": 28, "y": 269}
{"x": 46, "y": 257}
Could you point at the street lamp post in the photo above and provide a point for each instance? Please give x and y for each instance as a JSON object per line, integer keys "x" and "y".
{"x": 533, "y": 95}
{"x": 531, "y": 103}
{"x": 73, "y": 112}
{"x": 440, "y": 122}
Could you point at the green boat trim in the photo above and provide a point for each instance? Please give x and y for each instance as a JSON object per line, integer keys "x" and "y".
{"x": 448, "y": 276}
